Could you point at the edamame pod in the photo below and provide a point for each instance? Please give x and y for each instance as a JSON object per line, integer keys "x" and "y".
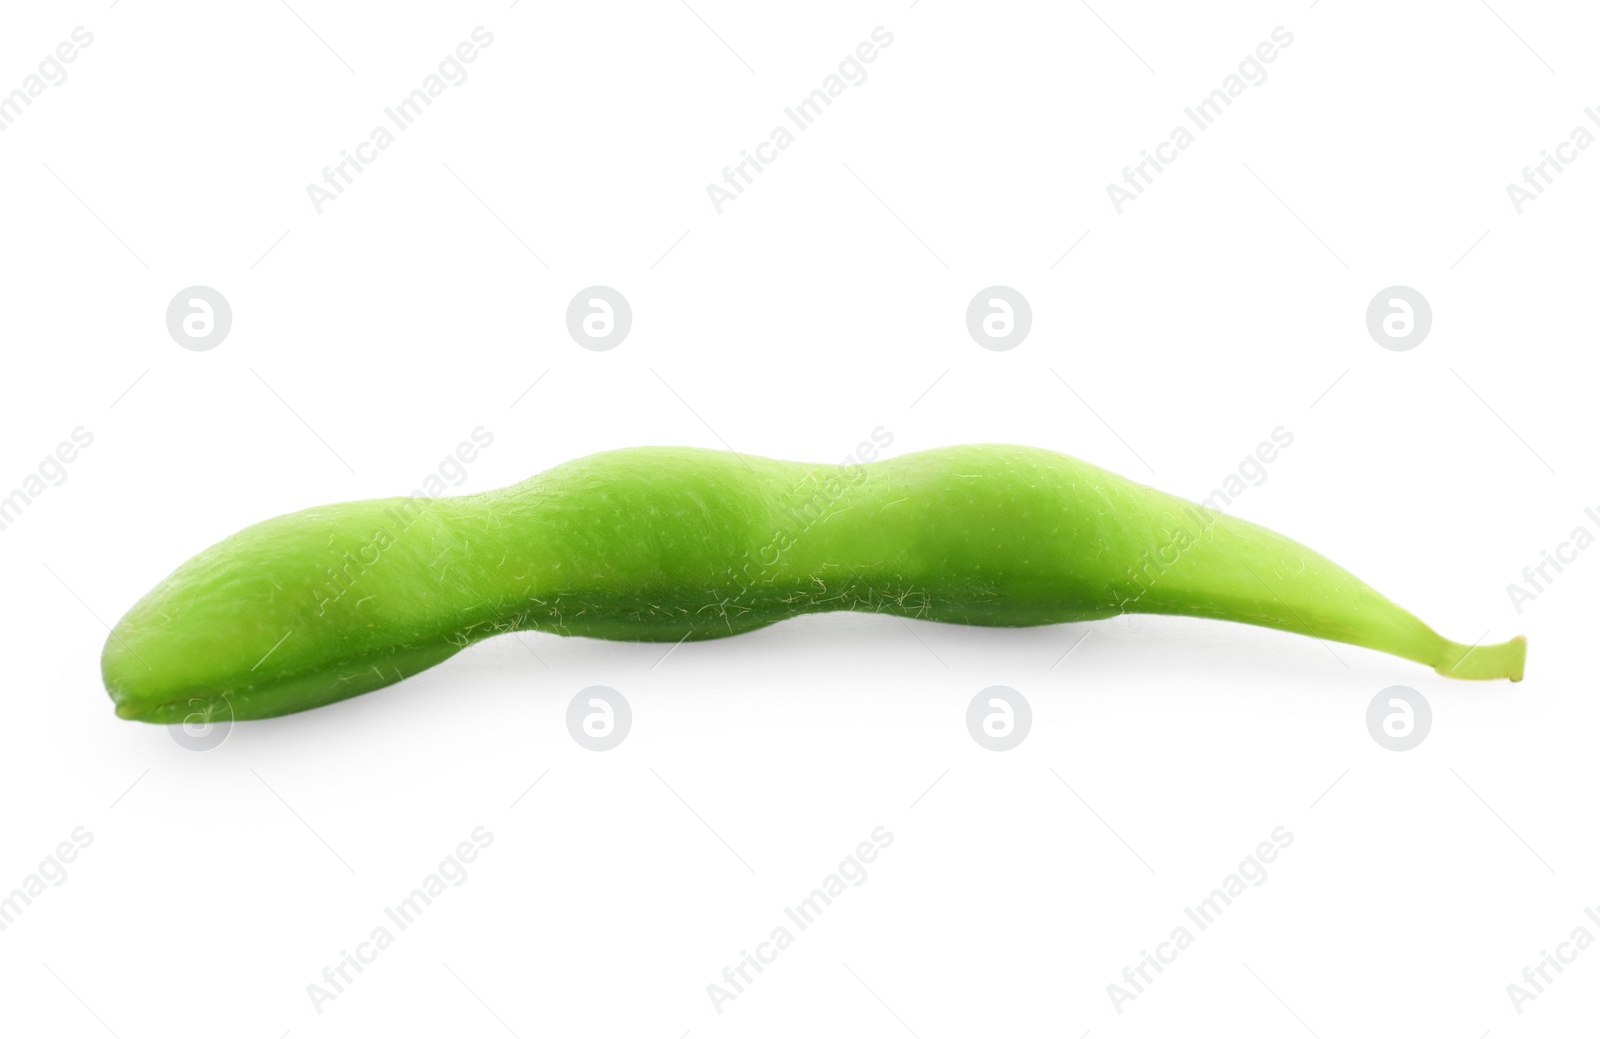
{"x": 665, "y": 544}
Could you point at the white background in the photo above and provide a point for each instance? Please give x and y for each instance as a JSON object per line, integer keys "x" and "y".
{"x": 828, "y": 300}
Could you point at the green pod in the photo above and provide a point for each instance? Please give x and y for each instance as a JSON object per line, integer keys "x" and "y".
{"x": 666, "y": 544}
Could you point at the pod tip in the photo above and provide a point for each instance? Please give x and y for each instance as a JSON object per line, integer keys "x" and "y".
{"x": 1502, "y": 660}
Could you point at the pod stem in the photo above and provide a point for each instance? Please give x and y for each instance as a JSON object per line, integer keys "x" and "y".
{"x": 1501, "y": 660}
